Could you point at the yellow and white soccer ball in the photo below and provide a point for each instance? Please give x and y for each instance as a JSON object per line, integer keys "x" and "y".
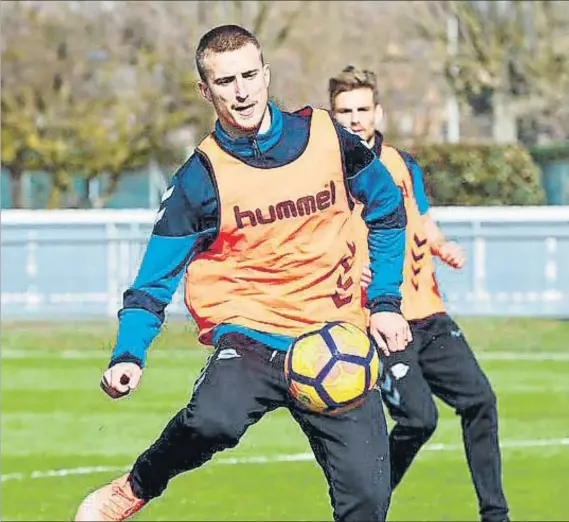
{"x": 331, "y": 369}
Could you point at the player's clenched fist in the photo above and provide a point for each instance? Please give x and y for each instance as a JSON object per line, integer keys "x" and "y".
{"x": 390, "y": 331}
{"x": 120, "y": 379}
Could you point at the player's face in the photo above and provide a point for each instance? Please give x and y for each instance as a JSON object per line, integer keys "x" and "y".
{"x": 237, "y": 84}
{"x": 356, "y": 110}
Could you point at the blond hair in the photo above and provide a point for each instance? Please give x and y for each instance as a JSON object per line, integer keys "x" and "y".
{"x": 352, "y": 78}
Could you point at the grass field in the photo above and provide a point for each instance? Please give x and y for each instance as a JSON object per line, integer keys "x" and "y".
{"x": 57, "y": 427}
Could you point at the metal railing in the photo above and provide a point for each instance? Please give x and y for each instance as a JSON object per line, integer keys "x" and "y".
{"x": 77, "y": 263}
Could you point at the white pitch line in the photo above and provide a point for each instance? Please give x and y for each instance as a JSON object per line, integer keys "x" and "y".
{"x": 293, "y": 457}
{"x": 510, "y": 444}
{"x": 516, "y": 356}
{"x": 87, "y": 470}
{"x": 14, "y": 353}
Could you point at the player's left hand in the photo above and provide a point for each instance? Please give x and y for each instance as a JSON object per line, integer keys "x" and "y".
{"x": 451, "y": 253}
{"x": 390, "y": 331}
{"x": 366, "y": 276}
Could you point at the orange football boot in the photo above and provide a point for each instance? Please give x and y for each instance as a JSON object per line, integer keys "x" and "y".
{"x": 113, "y": 503}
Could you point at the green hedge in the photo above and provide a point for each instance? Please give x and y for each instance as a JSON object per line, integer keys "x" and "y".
{"x": 480, "y": 174}
{"x": 547, "y": 153}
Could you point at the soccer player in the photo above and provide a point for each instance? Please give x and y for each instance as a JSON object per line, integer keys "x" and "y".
{"x": 259, "y": 219}
{"x": 439, "y": 361}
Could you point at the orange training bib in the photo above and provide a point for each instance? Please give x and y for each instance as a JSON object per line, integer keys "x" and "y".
{"x": 283, "y": 261}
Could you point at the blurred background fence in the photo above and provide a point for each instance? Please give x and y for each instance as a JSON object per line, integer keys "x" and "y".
{"x": 74, "y": 263}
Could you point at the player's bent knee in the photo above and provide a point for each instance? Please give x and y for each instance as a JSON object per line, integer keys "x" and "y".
{"x": 489, "y": 398}
{"x": 368, "y": 503}
{"x": 484, "y": 401}
{"x": 375, "y": 501}
{"x": 221, "y": 429}
{"x": 424, "y": 421}
{"x": 430, "y": 421}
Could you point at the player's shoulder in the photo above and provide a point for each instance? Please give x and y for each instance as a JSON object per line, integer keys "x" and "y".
{"x": 196, "y": 165}
{"x": 191, "y": 189}
{"x": 189, "y": 201}
{"x": 405, "y": 155}
{"x": 295, "y": 128}
{"x": 309, "y": 110}
{"x": 194, "y": 172}
{"x": 298, "y": 121}
{"x": 307, "y": 113}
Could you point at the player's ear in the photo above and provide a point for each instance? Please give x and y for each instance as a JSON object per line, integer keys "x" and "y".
{"x": 204, "y": 90}
{"x": 378, "y": 116}
{"x": 267, "y": 74}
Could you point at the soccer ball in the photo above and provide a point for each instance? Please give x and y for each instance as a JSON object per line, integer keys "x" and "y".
{"x": 331, "y": 369}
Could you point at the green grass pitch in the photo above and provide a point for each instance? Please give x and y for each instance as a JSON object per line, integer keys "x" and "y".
{"x": 54, "y": 417}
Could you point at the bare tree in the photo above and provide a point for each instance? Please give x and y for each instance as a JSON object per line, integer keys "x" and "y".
{"x": 79, "y": 97}
{"x": 40, "y": 93}
{"x": 512, "y": 58}
{"x": 94, "y": 88}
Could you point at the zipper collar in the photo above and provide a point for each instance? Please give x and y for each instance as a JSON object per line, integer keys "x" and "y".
{"x": 252, "y": 146}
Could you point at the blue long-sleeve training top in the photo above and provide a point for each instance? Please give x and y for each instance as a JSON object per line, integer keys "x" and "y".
{"x": 188, "y": 219}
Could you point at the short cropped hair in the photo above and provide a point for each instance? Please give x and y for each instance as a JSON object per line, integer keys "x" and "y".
{"x": 350, "y": 79}
{"x": 222, "y": 39}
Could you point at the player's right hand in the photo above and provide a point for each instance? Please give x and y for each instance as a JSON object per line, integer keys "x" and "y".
{"x": 390, "y": 331}
{"x": 120, "y": 379}
{"x": 451, "y": 253}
